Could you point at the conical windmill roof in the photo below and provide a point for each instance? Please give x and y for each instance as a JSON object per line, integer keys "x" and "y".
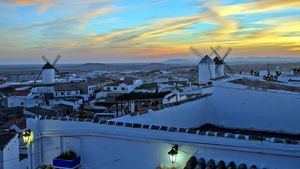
{"x": 218, "y": 61}
{"x": 48, "y": 66}
{"x": 206, "y": 59}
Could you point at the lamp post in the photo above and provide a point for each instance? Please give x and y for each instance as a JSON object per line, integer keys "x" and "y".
{"x": 26, "y": 136}
{"x": 173, "y": 153}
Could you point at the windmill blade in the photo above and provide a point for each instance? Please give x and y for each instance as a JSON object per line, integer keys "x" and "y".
{"x": 196, "y": 52}
{"x": 45, "y": 59}
{"x": 56, "y": 70}
{"x": 218, "y": 47}
{"x": 229, "y": 68}
{"x": 217, "y": 66}
{"x": 56, "y": 59}
{"x": 209, "y": 71}
{"x": 38, "y": 76}
{"x": 228, "y": 52}
{"x": 215, "y": 52}
{"x": 217, "y": 69}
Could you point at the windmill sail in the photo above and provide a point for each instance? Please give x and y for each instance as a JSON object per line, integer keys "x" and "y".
{"x": 220, "y": 62}
{"x": 48, "y": 70}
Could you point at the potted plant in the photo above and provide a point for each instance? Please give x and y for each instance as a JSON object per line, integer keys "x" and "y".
{"x": 67, "y": 159}
{"x": 45, "y": 166}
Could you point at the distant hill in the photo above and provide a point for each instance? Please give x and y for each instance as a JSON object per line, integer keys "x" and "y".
{"x": 117, "y": 66}
{"x": 262, "y": 60}
{"x": 238, "y": 63}
{"x": 178, "y": 61}
{"x": 93, "y": 64}
{"x": 88, "y": 66}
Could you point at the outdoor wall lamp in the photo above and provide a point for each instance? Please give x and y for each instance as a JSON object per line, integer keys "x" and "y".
{"x": 173, "y": 153}
{"x": 26, "y": 135}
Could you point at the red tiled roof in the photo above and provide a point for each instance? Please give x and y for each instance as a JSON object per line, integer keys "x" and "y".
{"x": 6, "y": 136}
{"x": 20, "y": 93}
{"x": 20, "y": 122}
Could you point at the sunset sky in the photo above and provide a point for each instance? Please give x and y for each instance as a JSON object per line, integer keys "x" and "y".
{"x": 136, "y": 30}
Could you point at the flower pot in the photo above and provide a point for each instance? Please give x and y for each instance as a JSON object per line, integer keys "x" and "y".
{"x": 59, "y": 163}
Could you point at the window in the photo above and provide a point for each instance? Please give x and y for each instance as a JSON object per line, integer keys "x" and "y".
{"x": 115, "y": 88}
{"x": 61, "y": 93}
{"x": 108, "y": 88}
{"x": 123, "y": 88}
{"x": 68, "y": 93}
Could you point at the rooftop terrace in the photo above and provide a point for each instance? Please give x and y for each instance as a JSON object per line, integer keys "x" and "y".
{"x": 205, "y": 130}
{"x": 265, "y": 85}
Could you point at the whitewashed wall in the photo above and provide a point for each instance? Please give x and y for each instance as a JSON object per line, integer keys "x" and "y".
{"x": 232, "y": 107}
{"x": 24, "y": 164}
{"x": 15, "y": 101}
{"x": 11, "y": 154}
{"x": 1, "y": 159}
{"x": 244, "y": 108}
{"x": 206, "y": 72}
{"x": 110, "y": 147}
{"x": 190, "y": 114}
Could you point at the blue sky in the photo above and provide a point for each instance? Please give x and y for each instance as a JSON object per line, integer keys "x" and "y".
{"x": 153, "y": 30}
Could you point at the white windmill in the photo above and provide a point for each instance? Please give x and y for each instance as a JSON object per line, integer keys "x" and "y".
{"x": 206, "y": 66}
{"x": 48, "y": 71}
{"x": 220, "y": 63}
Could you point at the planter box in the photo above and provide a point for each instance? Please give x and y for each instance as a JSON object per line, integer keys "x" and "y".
{"x": 59, "y": 163}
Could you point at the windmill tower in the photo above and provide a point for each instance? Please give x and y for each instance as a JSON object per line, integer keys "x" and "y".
{"x": 206, "y": 69}
{"x": 220, "y": 63}
{"x": 48, "y": 74}
{"x": 48, "y": 71}
{"x": 206, "y": 66}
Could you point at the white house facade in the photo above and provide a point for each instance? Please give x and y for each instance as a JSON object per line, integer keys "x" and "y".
{"x": 9, "y": 152}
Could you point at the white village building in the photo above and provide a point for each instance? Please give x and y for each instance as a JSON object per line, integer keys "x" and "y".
{"x": 9, "y": 150}
{"x": 22, "y": 99}
{"x": 173, "y": 97}
{"x": 124, "y": 85}
{"x": 64, "y": 90}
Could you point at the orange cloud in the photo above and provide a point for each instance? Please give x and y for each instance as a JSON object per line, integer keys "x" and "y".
{"x": 257, "y": 6}
{"x": 171, "y": 36}
{"x": 43, "y": 4}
